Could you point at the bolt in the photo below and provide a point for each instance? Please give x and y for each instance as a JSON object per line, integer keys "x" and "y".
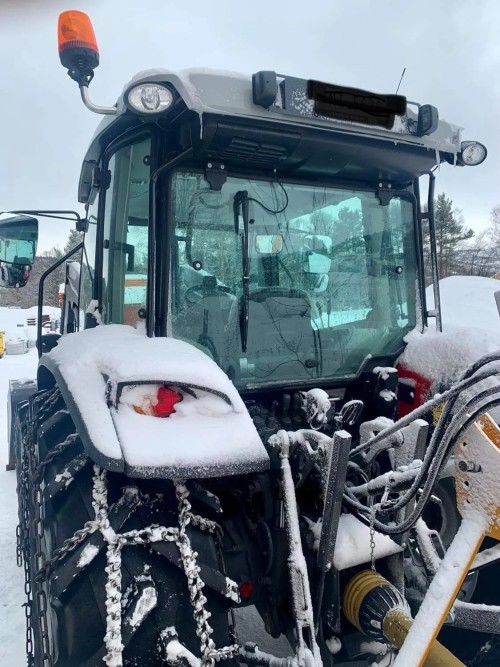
{"x": 469, "y": 466}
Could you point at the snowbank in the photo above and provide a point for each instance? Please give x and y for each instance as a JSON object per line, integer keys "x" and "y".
{"x": 467, "y": 301}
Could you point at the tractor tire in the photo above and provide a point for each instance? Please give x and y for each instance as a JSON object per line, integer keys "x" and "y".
{"x": 69, "y": 599}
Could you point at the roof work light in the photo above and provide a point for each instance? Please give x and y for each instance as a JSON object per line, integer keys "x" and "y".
{"x": 473, "y": 153}
{"x": 149, "y": 98}
{"x": 78, "y": 50}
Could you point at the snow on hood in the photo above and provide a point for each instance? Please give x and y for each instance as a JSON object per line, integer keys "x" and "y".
{"x": 205, "y": 438}
{"x": 471, "y": 329}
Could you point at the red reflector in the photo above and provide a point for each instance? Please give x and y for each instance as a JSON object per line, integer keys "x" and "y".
{"x": 167, "y": 399}
{"x": 246, "y": 590}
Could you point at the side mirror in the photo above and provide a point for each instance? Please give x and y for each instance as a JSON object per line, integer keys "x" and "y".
{"x": 18, "y": 242}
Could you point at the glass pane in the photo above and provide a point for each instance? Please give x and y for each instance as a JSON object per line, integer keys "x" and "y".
{"x": 331, "y": 277}
{"x": 126, "y": 219}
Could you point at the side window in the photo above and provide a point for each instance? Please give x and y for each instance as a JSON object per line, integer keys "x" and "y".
{"x": 126, "y": 218}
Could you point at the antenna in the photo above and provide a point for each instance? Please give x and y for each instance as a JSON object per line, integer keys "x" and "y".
{"x": 402, "y": 75}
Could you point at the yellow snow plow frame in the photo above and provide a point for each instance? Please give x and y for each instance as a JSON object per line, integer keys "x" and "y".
{"x": 477, "y": 478}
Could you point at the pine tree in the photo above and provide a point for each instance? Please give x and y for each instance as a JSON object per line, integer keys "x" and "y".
{"x": 451, "y": 233}
{"x": 74, "y": 239}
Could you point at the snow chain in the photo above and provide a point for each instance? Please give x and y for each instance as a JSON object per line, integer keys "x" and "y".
{"x": 29, "y": 478}
{"x": 209, "y": 653}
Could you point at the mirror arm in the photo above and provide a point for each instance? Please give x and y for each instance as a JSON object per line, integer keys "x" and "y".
{"x": 44, "y": 275}
{"x": 57, "y": 215}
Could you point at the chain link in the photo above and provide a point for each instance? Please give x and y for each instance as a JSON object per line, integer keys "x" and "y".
{"x": 373, "y": 511}
{"x": 30, "y": 514}
{"x": 54, "y": 453}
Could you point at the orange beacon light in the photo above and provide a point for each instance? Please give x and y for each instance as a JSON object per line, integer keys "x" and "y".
{"x": 77, "y": 44}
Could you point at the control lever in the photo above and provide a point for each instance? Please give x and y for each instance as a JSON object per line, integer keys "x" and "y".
{"x": 349, "y": 414}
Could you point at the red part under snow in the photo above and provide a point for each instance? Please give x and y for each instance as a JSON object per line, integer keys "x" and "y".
{"x": 167, "y": 400}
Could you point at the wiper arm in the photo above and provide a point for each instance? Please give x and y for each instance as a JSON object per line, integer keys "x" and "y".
{"x": 241, "y": 199}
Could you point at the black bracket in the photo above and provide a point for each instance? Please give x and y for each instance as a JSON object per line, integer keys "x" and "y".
{"x": 82, "y": 225}
{"x": 216, "y": 175}
{"x": 385, "y": 195}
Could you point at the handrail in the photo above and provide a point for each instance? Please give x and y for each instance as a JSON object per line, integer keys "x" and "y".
{"x": 44, "y": 275}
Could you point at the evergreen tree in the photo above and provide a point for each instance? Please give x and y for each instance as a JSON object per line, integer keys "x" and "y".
{"x": 451, "y": 235}
{"x": 74, "y": 239}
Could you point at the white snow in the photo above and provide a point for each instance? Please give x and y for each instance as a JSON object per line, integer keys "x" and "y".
{"x": 14, "y": 322}
{"x": 373, "y": 647}
{"x": 334, "y": 645}
{"x": 353, "y": 543}
{"x": 89, "y": 552}
{"x": 146, "y": 603}
{"x": 467, "y": 301}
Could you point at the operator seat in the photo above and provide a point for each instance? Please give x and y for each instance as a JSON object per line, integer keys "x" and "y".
{"x": 211, "y": 322}
{"x": 282, "y": 342}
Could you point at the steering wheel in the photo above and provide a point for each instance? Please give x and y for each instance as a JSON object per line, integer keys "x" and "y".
{"x": 198, "y": 290}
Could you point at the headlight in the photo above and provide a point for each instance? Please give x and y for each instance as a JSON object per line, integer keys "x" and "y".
{"x": 150, "y": 98}
{"x": 473, "y": 153}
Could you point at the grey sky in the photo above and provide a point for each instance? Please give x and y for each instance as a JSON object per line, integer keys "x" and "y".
{"x": 450, "y": 49}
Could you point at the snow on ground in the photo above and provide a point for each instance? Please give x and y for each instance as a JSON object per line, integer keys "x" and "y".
{"x": 467, "y": 301}
{"x": 12, "y": 623}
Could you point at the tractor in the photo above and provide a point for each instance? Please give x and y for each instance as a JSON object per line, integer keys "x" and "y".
{"x": 228, "y": 422}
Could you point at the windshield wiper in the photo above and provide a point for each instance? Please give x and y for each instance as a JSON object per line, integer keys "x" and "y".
{"x": 241, "y": 199}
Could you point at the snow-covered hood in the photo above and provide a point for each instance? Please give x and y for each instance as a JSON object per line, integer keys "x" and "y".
{"x": 211, "y": 433}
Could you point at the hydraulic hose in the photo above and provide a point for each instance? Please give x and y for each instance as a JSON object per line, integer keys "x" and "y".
{"x": 435, "y": 459}
{"x": 410, "y": 521}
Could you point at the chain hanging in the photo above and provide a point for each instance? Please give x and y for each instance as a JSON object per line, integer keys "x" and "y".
{"x": 373, "y": 512}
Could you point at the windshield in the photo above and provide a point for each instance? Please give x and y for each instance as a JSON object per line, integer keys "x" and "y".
{"x": 331, "y": 277}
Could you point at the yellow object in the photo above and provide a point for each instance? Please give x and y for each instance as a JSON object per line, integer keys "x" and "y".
{"x": 395, "y": 622}
{"x": 437, "y": 411}
{"x": 2, "y": 344}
